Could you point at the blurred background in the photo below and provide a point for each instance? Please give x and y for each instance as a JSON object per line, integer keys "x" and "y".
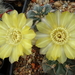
{"x": 17, "y": 4}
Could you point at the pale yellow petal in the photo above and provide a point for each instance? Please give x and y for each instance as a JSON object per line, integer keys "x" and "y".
{"x": 25, "y": 30}
{"x": 26, "y": 43}
{"x": 14, "y": 12}
{"x": 41, "y": 35}
{"x": 2, "y": 41}
{"x": 10, "y": 20}
{"x": 69, "y": 51}
{"x": 48, "y": 54}
{"x": 20, "y": 49}
{"x": 66, "y": 18}
{"x": 27, "y": 46}
{"x": 58, "y": 14}
{"x": 13, "y": 19}
{"x": 43, "y": 28}
{"x": 21, "y": 20}
{"x": 44, "y": 20}
{"x": 3, "y": 25}
{"x": 30, "y": 35}
{"x": 45, "y": 49}
{"x": 5, "y": 51}
{"x": 71, "y": 42}
{"x": 55, "y": 54}
{"x": 62, "y": 57}
{"x": 16, "y": 53}
{"x": 71, "y": 26}
{"x": 29, "y": 22}
{"x": 5, "y": 19}
{"x": 72, "y": 34}
{"x": 42, "y": 42}
{"x": 27, "y": 51}
{"x": 2, "y": 32}
{"x": 52, "y": 20}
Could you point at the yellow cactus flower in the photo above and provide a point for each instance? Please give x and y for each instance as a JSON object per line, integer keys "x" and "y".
{"x": 56, "y": 36}
{"x": 15, "y": 36}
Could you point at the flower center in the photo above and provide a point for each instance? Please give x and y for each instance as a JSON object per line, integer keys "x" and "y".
{"x": 59, "y": 35}
{"x": 14, "y": 36}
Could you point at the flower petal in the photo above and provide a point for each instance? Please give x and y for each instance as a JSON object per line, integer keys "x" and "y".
{"x": 55, "y": 54}
{"x": 48, "y": 54}
{"x": 70, "y": 52}
{"x": 16, "y": 53}
{"x": 14, "y": 12}
{"x": 20, "y": 49}
{"x": 2, "y": 41}
{"x": 45, "y": 49}
{"x": 21, "y": 20}
{"x": 66, "y": 18}
{"x": 5, "y": 19}
{"x": 71, "y": 42}
{"x": 43, "y": 28}
{"x": 71, "y": 25}
{"x": 3, "y": 25}
{"x": 13, "y": 19}
{"x": 43, "y": 42}
{"x": 10, "y": 20}
{"x": 44, "y": 20}
{"x": 72, "y": 34}
{"x": 29, "y": 22}
{"x": 5, "y": 51}
{"x": 2, "y": 32}
{"x": 26, "y": 43}
{"x": 52, "y": 20}
{"x": 27, "y": 46}
{"x": 27, "y": 51}
{"x": 41, "y": 35}
{"x": 62, "y": 57}
{"x": 30, "y": 35}
{"x": 25, "y": 30}
{"x": 58, "y": 14}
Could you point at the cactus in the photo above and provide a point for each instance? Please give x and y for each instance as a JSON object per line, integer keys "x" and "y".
{"x": 56, "y": 68}
{"x": 38, "y": 12}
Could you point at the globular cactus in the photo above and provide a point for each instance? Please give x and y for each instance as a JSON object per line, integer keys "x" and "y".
{"x": 56, "y": 68}
{"x": 38, "y": 12}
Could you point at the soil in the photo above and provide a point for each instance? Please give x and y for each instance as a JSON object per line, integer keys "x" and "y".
{"x": 29, "y": 65}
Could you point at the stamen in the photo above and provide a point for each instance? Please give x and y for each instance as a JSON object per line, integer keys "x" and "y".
{"x": 59, "y": 35}
{"x": 14, "y": 36}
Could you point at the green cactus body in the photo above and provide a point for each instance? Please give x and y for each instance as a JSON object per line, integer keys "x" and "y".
{"x": 38, "y": 12}
{"x": 56, "y": 68}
